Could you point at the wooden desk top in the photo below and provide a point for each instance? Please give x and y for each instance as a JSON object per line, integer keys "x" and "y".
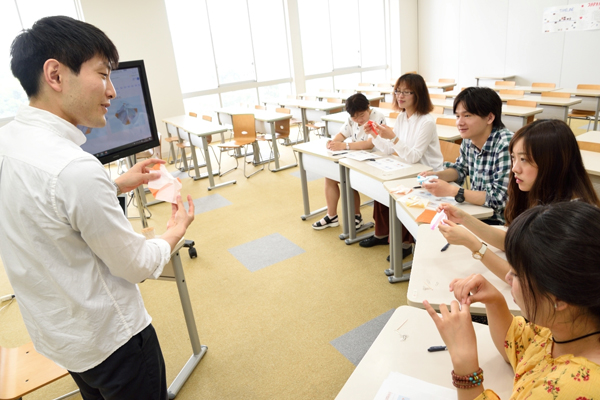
{"x": 390, "y": 353}
{"x": 433, "y": 270}
{"x": 195, "y": 126}
{"x": 581, "y": 92}
{"x": 479, "y": 212}
{"x": 382, "y": 176}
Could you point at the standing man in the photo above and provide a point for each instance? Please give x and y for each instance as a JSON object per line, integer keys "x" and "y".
{"x": 484, "y": 155}
{"x": 71, "y": 256}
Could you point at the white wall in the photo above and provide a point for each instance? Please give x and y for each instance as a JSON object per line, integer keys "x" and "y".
{"x": 140, "y": 30}
{"x": 404, "y": 40}
{"x": 463, "y": 38}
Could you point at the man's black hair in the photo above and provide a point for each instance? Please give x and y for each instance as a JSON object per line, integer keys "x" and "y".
{"x": 481, "y": 101}
{"x": 357, "y": 103}
{"x": 67, "y": 40}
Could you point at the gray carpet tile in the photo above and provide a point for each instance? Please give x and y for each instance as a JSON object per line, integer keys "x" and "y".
{"x": 310, "y": 176}
{"x": 208, "y": 203}
{"x": 266, "y": 251}
{"x": 355, "y": 344}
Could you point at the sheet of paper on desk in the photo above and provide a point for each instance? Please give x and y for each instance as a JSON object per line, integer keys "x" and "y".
{"x": 362, "y": 155}
{"x": 166, "y": 187}
{"x": 398, "y": 386}
{"x": 388, "y": 164}
{"x": 433, "y": 202}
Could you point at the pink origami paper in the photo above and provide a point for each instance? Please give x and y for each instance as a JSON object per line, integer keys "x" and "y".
{"x": 166, "y": 187}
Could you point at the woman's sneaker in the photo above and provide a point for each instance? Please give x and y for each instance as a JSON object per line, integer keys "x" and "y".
{"x": 326, "y": 222}
{"x": 358, "y": 220}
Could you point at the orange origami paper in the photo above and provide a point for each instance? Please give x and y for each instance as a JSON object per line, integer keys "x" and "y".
{"x": 166, "y": 187}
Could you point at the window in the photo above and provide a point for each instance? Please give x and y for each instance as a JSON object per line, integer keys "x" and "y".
{"x": 16, "y": 16}
{"x": 315, "y": 36}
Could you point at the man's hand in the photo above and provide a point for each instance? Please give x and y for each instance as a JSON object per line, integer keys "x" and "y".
{"x": 181, "y": 219}
{"x": 334, "y": 145}
{"x": 138, "y": 174}
{"x": 440, "y": 188}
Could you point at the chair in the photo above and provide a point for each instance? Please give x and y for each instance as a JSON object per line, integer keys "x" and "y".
{"x": 282, "y": 131}
{"x": 523, "y": 103}
{"x": 394, "y": 115}
{"x": 23, "y": 370}
{"x": 505, "y": 83}
{"x": 244, "y": 134}
{"x": 556, "y": 94}
{"x": 384, "y": 85}
{"x": 445, "y": 121}
{"x": 588, "y": 115}
{"x": 446, "y": 80}
{"x": 383, "y": 104}
{"x": 310, "y": 98}
{"x": 519, "y": 93}
{"x": 335, "y": 110}
{"x": 437, "y": 96}
{"x": 348, "y": 91}
{"x": 450, "y": 150}
{"x": 544, "y": 85}
{"x": 258, "y": 107}
{"x": 365, "y": 84}
{"x": 438, "y": 110}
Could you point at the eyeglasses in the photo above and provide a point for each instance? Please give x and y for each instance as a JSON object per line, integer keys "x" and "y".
{"x": 405, "y": 93}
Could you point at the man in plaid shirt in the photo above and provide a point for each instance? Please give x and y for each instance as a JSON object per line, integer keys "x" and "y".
{"x": 484, "y": 155}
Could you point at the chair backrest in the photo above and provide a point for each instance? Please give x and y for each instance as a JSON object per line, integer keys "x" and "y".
{"x": 207, "y": 118}
{"x": 193, "y": 114}
{"x": 283, "y": 110}
{"x": 310, "y": 98}
{"x": 324, "y": 90}
{"x": 373, "y": 93}
{"x": 283, "y": 128}
{"x": 243, "y": 123}
{"x": 505, "y": 83}
{"x": 544, "y": 85}
{"x": 522, "y": 103}
{"x": 556, "y": 94}
{"x": 589, "y": 87}
{"x": 25, "y": 371}
{"x": 446, "y": 80}
{"x": 589, "y": 146}
{"x": 512, "y": 91}
{"x": 383, "y": 104}
{"x": 347, "y": 91}
{"x": 437, "y": 96}
{"x": 450, "y": 151}
{"x": 438, "y": 110}
{"x": 410, "y": 72}
{"x": 445, "y": 121}
{"x": 365, "y": 84}
{"x": 393, "y": 115}
{"x": 334, "y": 100}
{"x": 259, "y": 107}
{"x": 383, "y": 85}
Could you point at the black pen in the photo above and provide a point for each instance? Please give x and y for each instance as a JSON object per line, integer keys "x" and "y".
{"x": 445, "y": 247}
{"x": 417, "y": 187}
{"x": 437, "y": 348}
{"x": 339, "y": 154}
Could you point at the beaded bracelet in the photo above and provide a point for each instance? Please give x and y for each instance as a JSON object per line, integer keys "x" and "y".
{"x": 467, "y": 381}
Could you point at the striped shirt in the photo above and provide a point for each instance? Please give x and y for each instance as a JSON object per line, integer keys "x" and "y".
{"x": 488, "y": 169}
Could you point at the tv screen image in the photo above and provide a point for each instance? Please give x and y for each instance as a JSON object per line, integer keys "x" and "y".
{"x": 130, "y": 124}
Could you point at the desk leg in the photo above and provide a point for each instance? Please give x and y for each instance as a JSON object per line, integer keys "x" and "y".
{"x": 304, "y": 184}
{"x": 597, "y": 112}
{"x": 171, "y": 148}
{"x": 198, "y": 350}
{"x": 477, "y": 80}
{"x": 349, "y": 226}
{"x": 209, "y": 171}
{"x": 566, "y": 114}
{"x": 194, "y": 159}
{"x": 396, "y": 272}
{"x": 183, "y": 156}
{"x": 304, "y": 127}
{"x": 347, "y": 202}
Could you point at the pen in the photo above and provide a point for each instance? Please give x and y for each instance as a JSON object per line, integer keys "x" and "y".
{"x": 417, "y": 187}
{"x": 437, "y": 348}
{"x": 339, "y": 154}
{"x": 445, "y": 247}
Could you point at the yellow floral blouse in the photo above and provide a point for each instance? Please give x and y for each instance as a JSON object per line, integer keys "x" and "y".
{"x": 538, "y": 375}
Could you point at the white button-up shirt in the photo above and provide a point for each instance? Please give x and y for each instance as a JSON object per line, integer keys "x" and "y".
{"x": 70, "y": 253}
{"x": 351, "y": 129}
{"x": 417, "y": 141}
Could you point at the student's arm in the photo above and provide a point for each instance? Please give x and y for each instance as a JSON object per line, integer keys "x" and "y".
{"x": 496, "y": 185}
{"x": 485, "y": 232}
{"x": 476, "y": 288}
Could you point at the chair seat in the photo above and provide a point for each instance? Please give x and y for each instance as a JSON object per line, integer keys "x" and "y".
{"x": 582, "y": 113}
{"x": 23, "y": 370}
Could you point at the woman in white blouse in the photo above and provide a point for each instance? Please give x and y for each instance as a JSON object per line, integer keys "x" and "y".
{"x": 413, "y": 139}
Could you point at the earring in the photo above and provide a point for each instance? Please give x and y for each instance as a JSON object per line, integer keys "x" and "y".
{"x": 555, "y": 306}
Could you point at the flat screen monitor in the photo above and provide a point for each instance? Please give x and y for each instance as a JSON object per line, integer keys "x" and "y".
{"x": 130, "y": 124}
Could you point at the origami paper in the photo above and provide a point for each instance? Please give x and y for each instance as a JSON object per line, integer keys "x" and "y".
{"x": 425, "y": 179}
{"x": 166, "y": 187}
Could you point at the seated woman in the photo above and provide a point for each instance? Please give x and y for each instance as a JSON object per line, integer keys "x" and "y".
{"x": 414, "y": 140}
{"x": 546, "y": 168}
{"x": 554, "y": 349}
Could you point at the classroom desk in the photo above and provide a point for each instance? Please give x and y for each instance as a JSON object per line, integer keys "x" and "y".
{"x": 494, "y": 78}
{"x": 198, "y": 128}
{"x": 401, "y": 215}
{"x": 320, "y": 107}
{"x": 261, "y": 117}
{"x": 548, "y": 103}
{"x": 314, "y": 157}
{"x": 591, "y": 159}
{"x": 173, "y": 271}
{"x": 367, "y": 179}
{"x": 526, "y": 89}
{"x": 433, "y": 270}
{"x": 334, "y": 122}
{"x": 587, "y": 93}
{"x": 389, "y": 353}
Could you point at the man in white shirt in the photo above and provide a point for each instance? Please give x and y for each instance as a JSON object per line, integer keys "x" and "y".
{"x": 360, "y": 111}
{"x": 71, "y": 256}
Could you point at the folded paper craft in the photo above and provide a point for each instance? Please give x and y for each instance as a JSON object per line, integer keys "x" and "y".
{"x": 401, "y": 189}
{"x": 166, "y": 187}
{"x": 416, "y": 201}
{"x": 438, "y": 219}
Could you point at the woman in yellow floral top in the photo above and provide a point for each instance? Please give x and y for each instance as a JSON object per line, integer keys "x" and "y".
{"x": 554, "y": 253}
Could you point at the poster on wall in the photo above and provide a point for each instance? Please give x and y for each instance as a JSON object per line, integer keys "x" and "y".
{"x": 572, "y": 17}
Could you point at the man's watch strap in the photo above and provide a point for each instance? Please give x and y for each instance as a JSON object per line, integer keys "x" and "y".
{"x": 117, "y": 187}
{"x": 460, "y": 196}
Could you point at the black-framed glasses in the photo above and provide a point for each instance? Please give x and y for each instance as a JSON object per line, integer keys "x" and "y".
{"x": 403, "y": 92}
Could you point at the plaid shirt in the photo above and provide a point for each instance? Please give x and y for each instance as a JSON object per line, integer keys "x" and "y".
{"x": 488, "y": 169}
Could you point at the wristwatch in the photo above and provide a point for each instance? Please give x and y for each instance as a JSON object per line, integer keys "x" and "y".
{"x": 460, "y": 196}
{"x": 478, "y": 255}
{"x": 117, "y": 187}
{"x": 347, "y": 146}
